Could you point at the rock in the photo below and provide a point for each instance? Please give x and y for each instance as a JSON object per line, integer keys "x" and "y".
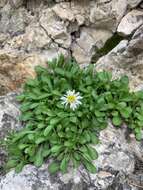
{"x": 16, "y": 67}
{"x": 133, "y": 3}
{"x": 3, "y": 37}
{"x": 16, "y": 3}
{"x": 3, "y": 3}
{"x": 115, "y": 164}
{"x": 130, "y": 22}
{"x": 120, "y": 63}
{"x": 136, "y": 43}
{"x": 9, "y": 113}
{"x": 72, "y": 12}
{"x": 55, "y": 28}
{"x": 13, "y": 21}
{"x": 107, "y": 14}
{"x": 126, "y": 59}
{"x": 90, "y": 39}
{"x": 141, "y": 5}
{"x": 112, "y": 151}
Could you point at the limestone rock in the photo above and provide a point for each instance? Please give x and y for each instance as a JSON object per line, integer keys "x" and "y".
{"x": 16, "y": 3}
{"x": 107, "y": 14}
{"x": 9, "y": 113}
{"x": 133, "y": 3}
{"x": 17, "y": 67}
{"x": 136, "y": 43}
{"x": 72, "y": 12}
{"x": 86, "y": 45}
{"x": 55, "y": 28}
{"x": 3, "y": 3}
{"x": 130, "y": 22}
{"x": 13, "y": 21}
{"x": 141, "y": 5}
{"x": 114, "y": 151}
{"x": 126, "y": 59}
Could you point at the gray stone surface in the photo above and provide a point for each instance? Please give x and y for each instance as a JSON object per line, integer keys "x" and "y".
{"x": 126, "y": 59}
{"x": 130, "y": 22}
{"x": 36, "y": 31}
{"x": 133, "y": 3}
{"x": 115, "y": 165}
{"x": 9, "y": 112}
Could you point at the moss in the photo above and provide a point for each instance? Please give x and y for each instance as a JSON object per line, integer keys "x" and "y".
{"x": 109, "y": 45}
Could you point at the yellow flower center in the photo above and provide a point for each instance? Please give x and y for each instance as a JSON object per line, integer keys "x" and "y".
{"x": 71, "y": 98}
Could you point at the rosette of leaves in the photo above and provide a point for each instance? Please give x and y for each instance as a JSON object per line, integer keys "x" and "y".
{"x": 53, "y": 131}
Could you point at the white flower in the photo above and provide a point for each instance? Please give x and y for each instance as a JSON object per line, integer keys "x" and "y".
{"x": 71, "y": 98}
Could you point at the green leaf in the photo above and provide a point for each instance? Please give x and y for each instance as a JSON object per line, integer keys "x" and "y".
{"x": 76, "y": 156}
{"x": 48, "y": 130}
{"x": 53, "y": 167}
{"x": 92, "y": 152}
{"x": 22, "y": 146}
{"x": 82, "y": 140}
{"x": 87, "y": 156}
{"x": 94, "y": 138}
{"x": 41, "y": 125}
{"x": 47, "y": 80}
{"x": 138, "y": 136}
{"x": 45, "y": 152}
{"x": 56, "y": 92}
{"x": 68, "y": 144}
{"x": 19, "y": 167}
{"x": 87, "y": 136}
{"x": 43, "y": 96}
{"x": 39, "y": 158}
{"x": 126, "y": 112}
{"x": 99, "y": 114}
{"x": 26, "y": 116}
{"x": 30, "y": 137}
{"x": 73, "y": 119}
{"x": 125, "y": 80}
{"x": 20, "y": 97}
{"x": 20, "y": 135}
{"x": 76, "y": 163}
{"x": 115, "y": 113}
{"x": 25, "y": 107}
{"x": 60, "y": 71}
{"x": 39, "y": 69}
{"x": 32, "y": 82}
{"x": 62, "y": 114}
{"x": 121, "y": 105}
{"x": 11, "y": 164}
{"x": 117, "y": 121}
{"x": 54, "y": 121}
{"x": 89, "y": 166}
{"x": 34, "y": 105}
{"x": 40, "y": 140}
{"x": 140, "y": 117}
{"x": 56, "y": 148}
{"x": 64, "y": 165}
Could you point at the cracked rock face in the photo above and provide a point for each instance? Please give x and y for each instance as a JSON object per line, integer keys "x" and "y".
{"x": 33, "y": 32}
{"x": 131, "y": 22}
{"x": 126, "y": 59}
{"x": 115, "y": 165}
